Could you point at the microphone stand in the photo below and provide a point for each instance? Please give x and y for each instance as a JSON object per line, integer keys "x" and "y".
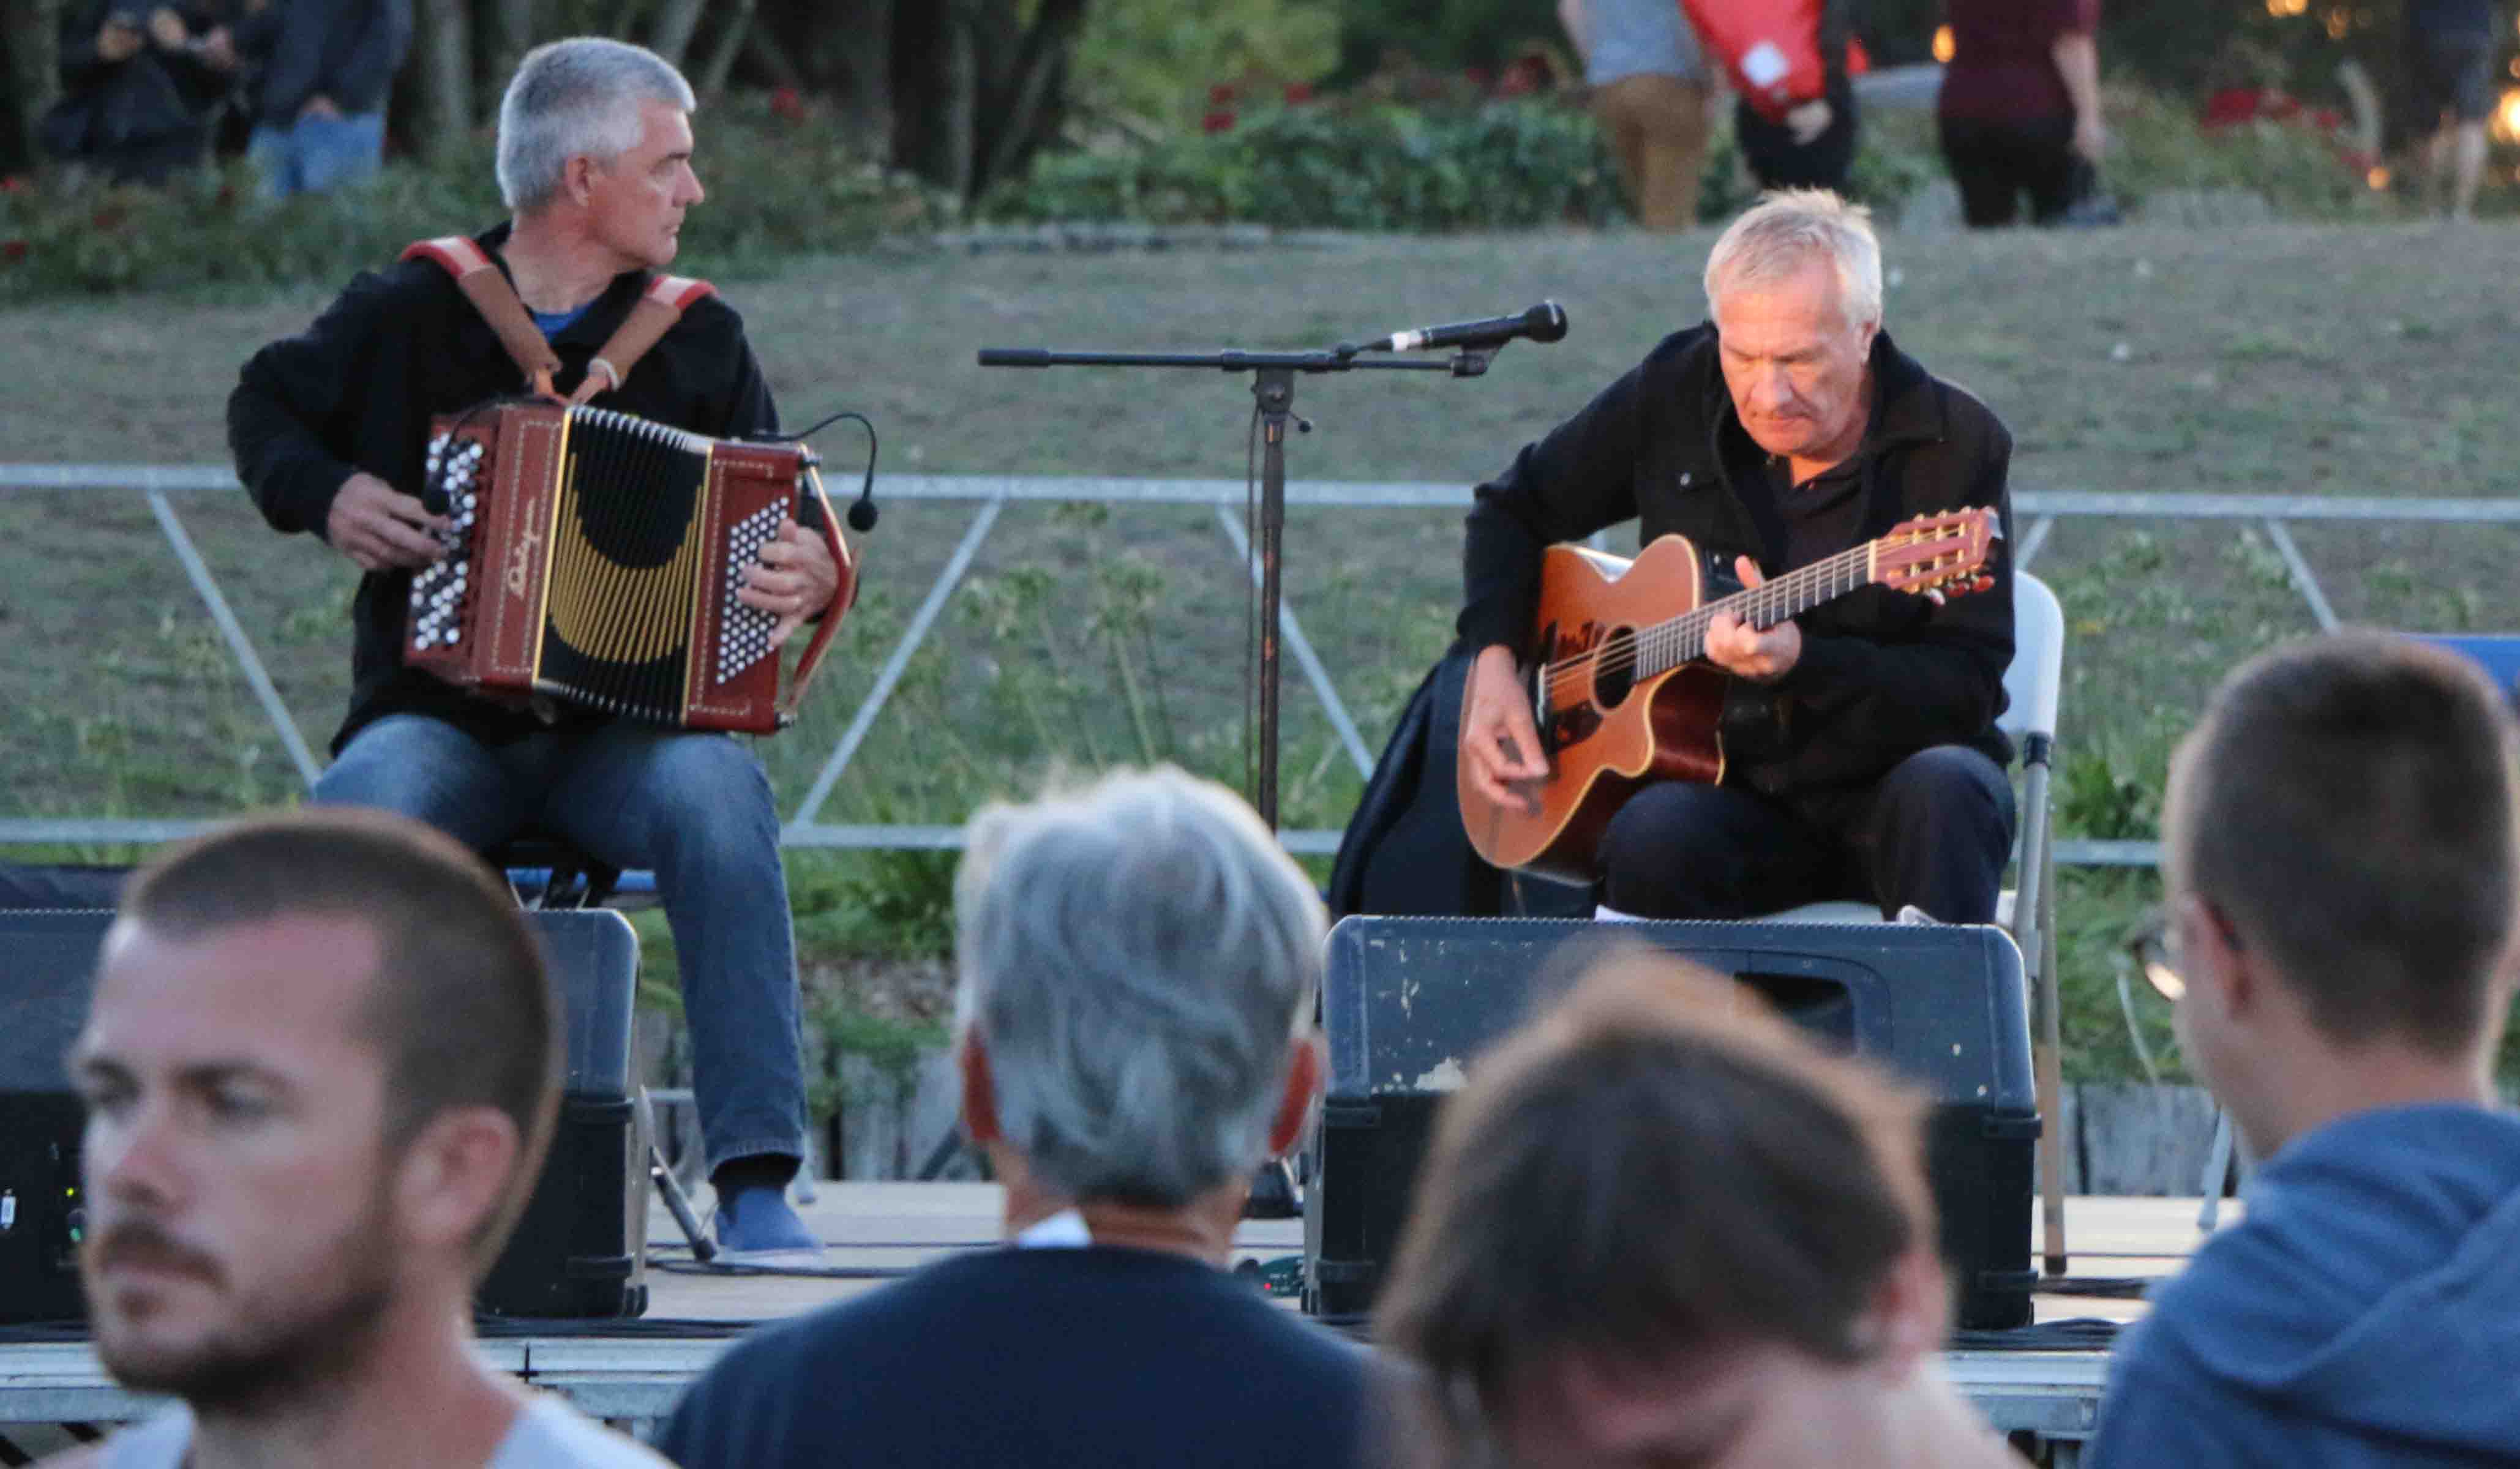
{"x": 1273, "y": 386}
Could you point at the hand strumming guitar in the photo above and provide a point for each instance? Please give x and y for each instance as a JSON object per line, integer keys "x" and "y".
{"x": 1499, "y": 742}
{"x": 1744, "y": 650}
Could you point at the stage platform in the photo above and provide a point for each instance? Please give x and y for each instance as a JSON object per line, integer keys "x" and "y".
{"x": 629, "y": 1372}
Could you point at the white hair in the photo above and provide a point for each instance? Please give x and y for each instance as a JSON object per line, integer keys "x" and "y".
{"x": 1790, "y": 227}
{"x": 1138, "y": 960}
{"x": 572, "y": 97}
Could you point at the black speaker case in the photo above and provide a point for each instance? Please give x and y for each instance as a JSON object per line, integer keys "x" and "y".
{"x": 579, "y": 1249}
{"x": 1408, "y": 1002}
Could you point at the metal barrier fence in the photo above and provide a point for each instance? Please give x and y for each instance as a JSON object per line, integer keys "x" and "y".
{"x": 2039, "y": 510}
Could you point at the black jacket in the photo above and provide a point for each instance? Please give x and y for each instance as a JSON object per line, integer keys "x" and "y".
{"x": 1883, "y": 674}
{"x": 356, "y": 391}
{"x": 346, "y": 50}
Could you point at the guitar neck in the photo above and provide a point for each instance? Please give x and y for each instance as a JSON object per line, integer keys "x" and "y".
{"x": 1666, "y": 646}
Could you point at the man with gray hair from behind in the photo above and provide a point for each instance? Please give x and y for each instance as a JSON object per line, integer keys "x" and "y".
{"x": 1138, "y": 966}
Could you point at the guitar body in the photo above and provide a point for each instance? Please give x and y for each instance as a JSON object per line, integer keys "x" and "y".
{"x": 1605, "y": 734}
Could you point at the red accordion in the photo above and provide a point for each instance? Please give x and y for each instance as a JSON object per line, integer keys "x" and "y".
{"x": 595, "y": 559}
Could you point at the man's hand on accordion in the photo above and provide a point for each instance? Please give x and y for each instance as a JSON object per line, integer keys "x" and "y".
{"x": 380, "y": 527}
{"x": 795, "y": 579}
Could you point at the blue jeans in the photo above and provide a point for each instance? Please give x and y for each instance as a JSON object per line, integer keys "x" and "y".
{"x": 693, "y": 808}
{"x": 315, "y": 153}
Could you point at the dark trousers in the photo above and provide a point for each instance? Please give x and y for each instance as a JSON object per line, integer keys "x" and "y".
{"x": 1777, "y": 161}
{"x": 1995, "y": 163}
{"x": 1934, "y": 832}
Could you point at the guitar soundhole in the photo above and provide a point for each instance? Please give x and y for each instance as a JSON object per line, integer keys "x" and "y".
{"x": 1614, "y": 673}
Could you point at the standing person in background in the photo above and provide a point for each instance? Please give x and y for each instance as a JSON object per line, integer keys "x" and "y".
{"x": 2020, "y": 110}
{"x": 2449, "y": 62}
{"x": 138, "y": 87}
{"x": 1814, "y": 146}
{"x": 328, "y": 67}
{"x": 1650, "y": 91}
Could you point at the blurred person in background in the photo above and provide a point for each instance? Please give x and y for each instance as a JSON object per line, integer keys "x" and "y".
{"x": 321, "y": 1068}
{"x": 139, "y": 88}
{"x": 1138, "y": 967}
{"x": 2449, "y": 94}
{"x": 1660, "y": 1227}
{"x": 1652, "y": 95}
{"x": 319, "y": 105}
{"x": 2340, "y": 869}
{"x": 2020, "y": 108}
{"x": 1813, "y": 146}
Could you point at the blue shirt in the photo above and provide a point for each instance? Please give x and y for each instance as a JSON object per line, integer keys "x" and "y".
{"x": 1637, "y": 39}
{"x": 554, "y": 323}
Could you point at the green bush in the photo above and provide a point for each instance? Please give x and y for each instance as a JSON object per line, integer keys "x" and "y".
{"x": 1372, "y": 166}
{"x": 780, "y": 179}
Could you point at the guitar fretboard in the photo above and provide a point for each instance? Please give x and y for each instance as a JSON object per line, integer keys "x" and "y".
{"x": 1666, "y": 646}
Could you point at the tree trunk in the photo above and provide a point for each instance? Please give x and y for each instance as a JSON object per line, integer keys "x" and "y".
{"x": 936, "y": 92}
{"x": 441, "y": 60}
{"x": 729, "y": 44}
{"x": 29, "y": 38}
{"x": 1030, "y": 92}
{"x": 508, "y": 27}
{"x": 675, "y": 23}
{"x": 861, "y": 74}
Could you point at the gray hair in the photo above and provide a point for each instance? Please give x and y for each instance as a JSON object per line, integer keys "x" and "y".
{"x": 572, "y": 97}
{"x": 1138, "y": 960}
{"x": 1787, "y": 229}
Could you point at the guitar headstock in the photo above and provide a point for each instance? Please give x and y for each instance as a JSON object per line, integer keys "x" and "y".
{"x": 1938, "y": 556}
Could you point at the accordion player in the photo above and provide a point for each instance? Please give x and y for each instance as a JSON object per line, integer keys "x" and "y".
{"x": 595, "y": 557}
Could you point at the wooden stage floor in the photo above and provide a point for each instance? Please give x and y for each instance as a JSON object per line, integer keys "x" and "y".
{"x": 886, "y": 1228}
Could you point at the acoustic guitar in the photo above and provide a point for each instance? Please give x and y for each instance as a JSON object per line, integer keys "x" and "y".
{"x": 1619, "y": 693}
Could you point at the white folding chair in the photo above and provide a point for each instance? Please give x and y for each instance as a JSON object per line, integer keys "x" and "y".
{"x": 2032, "y": 684}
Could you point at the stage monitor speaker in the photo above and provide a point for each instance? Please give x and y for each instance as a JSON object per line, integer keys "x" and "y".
{"x": 1408, "y": 1002}
{"x": 579, "y": 1250}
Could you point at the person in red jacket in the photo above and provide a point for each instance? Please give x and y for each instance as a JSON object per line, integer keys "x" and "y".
{"x": 2020, "y": 109}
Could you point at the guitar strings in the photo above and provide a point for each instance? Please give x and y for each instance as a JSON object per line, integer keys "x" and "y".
{"x": 1682, "y": 637}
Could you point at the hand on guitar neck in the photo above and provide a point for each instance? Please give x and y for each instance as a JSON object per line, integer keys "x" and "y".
{"x": 1750, "y": 652}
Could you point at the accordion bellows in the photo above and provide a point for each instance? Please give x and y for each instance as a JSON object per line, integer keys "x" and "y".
{"x": 594, "y": 558}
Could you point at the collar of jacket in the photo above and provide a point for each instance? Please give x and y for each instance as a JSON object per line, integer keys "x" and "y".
{"x": 605, "y": 310}
{"x": 1908, "y": 411}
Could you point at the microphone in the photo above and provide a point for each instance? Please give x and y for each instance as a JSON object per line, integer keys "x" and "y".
{"x": 862, "y": 514}
{"x": 1546, "y": 322}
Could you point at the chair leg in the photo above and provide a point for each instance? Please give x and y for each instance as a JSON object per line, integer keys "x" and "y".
{"x": 2047, "y": 1059}
{"x": 2218, "y": 1167}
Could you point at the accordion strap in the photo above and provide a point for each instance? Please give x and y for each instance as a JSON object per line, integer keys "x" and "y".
{"x": 812, "y": 658}
{"x": 487, "y": 286}
{"x": 491, "y": 293}
{"x": 658, "y": 307}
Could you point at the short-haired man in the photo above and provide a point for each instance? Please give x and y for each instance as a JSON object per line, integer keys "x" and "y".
{"x": 1861, "y": 758}
{"x": 321, "y": 1068}
{"x": 330, "y": 429}
{"x": 2342, "y": 867}
{"x": 1138, "y": 972}
{"x": 1659, "y": 1227}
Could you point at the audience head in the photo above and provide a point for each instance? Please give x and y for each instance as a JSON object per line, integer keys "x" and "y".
{"x": 602, "y": 129}
{"x": 1657, "y": 1225}
{"x": 2341, "y": 863}
{"x": 321, "y": 1068}
{"x": 1138, "y": 964}
{"x": 1794, "y": 287}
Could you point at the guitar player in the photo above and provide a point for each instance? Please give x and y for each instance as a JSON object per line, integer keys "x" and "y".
{"x": 1861, "y": 758}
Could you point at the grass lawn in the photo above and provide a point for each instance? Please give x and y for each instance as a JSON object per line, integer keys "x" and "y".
{"x": 2363, "y": 361}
